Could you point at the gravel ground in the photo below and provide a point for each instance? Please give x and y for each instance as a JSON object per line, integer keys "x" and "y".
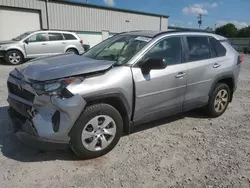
{"x": 187, "y": 150}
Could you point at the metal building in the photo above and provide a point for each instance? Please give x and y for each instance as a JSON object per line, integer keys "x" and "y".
{"x": 92, "y": 23}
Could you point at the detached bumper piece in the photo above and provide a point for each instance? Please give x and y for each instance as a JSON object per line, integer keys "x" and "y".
{"x": 27, "y": 133}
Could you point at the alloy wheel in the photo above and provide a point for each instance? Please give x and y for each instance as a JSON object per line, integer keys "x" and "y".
{"x": 221, "y": 101}
{"x": 14, "y": 58}
{"x": 98, "y": 133}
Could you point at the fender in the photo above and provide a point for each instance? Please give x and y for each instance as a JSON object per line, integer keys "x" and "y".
{"x": 110, "y": 94}
{"x": 16, "y": 48}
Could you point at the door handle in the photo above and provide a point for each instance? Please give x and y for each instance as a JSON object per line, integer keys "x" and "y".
{"x": 216, "y": 65}
{"x": 64, "y": 43}
{"x": 44, "y": 43}
{"x": 180, "y": 75}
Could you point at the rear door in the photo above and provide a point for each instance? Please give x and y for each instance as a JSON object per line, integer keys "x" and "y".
{"x": 203, "y": 66}
{"x": 56, "y": 43}
{"x": 36, "y": 45}
{"x": 160, "y": 93}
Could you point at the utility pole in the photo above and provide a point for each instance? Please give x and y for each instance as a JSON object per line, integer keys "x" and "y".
{"x": 200, "y": 20}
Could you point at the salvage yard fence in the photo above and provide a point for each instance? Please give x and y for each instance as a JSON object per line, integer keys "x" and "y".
{"x": 240, "y": 44}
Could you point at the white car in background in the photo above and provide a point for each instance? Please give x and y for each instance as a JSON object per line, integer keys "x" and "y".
{"x": 40, "y": 43}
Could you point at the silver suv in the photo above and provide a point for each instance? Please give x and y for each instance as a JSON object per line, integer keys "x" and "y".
{"x": 87, "y": 102}
{"x": 39, "y": 43}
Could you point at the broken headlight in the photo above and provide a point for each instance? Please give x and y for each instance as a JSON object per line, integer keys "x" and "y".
{"x": 52, "y": 87}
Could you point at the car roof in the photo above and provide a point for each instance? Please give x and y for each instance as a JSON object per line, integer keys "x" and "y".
{"x": 56, "y": 31}
{"x": 153, "y": 34}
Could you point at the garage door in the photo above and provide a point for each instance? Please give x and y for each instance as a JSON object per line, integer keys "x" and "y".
{"x": 16, "y": 22}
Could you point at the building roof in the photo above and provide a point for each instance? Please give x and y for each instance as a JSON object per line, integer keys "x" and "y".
{"x": 108, "y": 8}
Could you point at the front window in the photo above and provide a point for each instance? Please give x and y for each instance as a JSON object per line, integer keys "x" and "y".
{"x": 22, "y": 36}
{"x": 39, "y": 37}
{"x": 119, "y": 48}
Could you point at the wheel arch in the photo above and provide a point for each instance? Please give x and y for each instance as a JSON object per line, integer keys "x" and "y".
{"x": 229, "y": 80}
{"x": 16, "y": 49}
{"x": 118, "y": 101}
{"x": 72, "y": 47}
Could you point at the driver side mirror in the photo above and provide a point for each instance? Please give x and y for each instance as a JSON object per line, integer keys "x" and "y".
{"x": 26, "y": 41}
{"x": 153, "y": 64}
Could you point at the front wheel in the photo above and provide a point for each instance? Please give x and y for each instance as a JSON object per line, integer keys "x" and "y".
{"x": 97, "y": 131}
{"x": 14, "y": 57}
{"x": 219, "y": 100}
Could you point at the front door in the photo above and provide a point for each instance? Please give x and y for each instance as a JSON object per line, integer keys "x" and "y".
{"x": 160, "y": 93}
{"x": 36, "y": 45}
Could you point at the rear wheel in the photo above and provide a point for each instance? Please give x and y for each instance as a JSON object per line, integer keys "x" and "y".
{"x": 97, "y": 131}
{"x": 14, "y": 57}
{"x": 71, "y": 50}
{"x": 219, "y": 100}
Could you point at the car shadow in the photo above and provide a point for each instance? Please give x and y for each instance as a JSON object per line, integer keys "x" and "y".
{"x": 13, "y": 148}
{"x": 197, "y": 113}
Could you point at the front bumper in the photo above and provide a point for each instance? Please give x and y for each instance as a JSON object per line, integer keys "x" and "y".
{"x": 25, "y": 131}
{"x": 42, "y": 120}
{"x": 2, "y": 53}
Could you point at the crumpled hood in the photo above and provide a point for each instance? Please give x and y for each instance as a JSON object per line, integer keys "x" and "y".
{"x": 7, "y": 42}
{"x": 59, "y": 66}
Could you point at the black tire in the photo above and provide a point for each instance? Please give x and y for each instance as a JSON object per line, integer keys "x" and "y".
{"x": 91, "y": 112}
{"x": 245, "y": 51}
{"x": 210, "y": 108}
{"x": 10, "y": 55}
{"x": 72, "y": 50}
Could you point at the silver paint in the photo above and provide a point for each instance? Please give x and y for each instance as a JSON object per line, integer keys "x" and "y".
{"x": 158, "y": 90}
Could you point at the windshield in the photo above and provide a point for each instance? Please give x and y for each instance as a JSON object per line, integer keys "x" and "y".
{"x": 22, "y": 36}
{"x": 120, "y": 48}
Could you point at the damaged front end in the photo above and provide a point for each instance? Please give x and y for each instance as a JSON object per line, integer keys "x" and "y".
{"x": 43, "y": 113}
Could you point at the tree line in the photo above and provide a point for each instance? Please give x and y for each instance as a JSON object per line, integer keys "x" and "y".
{"x": 230, "y": 31}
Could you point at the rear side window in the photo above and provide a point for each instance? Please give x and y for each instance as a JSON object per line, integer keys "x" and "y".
{"x": 69, "y": 36}
{"x": 55, "y": 36}
{"x": 219, "y": 49}
{"x": 198, "y": 48}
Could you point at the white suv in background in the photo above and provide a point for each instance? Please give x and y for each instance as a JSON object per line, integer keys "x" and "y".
{"x": 40, "y": 43}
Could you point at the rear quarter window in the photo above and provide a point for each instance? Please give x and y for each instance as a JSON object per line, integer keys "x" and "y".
{"x": 69, "y": 36}
{"x": 218, "y": 47}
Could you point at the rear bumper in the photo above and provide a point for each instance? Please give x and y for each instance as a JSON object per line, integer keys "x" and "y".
{"x": 26, "y": 132}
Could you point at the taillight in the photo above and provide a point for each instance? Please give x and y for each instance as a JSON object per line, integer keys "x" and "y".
{"x": 240, "y": 60}
{"x": 81, "y": 41}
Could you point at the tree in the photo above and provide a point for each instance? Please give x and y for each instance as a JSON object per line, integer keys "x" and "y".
{"x": 244, "y": 32}
{"x": 228, "y": 30}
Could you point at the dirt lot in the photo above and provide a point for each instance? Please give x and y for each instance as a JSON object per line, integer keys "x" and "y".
{"x": 187, "y": 150}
